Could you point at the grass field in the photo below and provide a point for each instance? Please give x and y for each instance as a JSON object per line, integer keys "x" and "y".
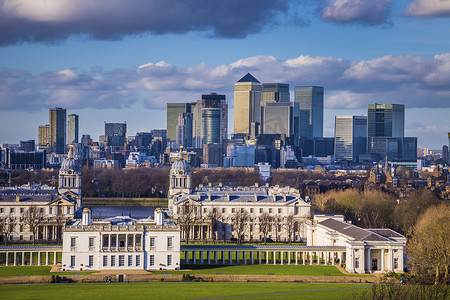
{"x": 33, "y": 270}
{"x": 180, "y": 291}
{"x": 259, "y": 270}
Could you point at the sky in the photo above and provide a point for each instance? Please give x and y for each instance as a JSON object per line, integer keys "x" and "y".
{"x": 123, "y": 60}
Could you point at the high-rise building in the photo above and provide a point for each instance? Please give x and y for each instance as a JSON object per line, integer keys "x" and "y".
{"x": 280, "y": 118}
{"x": 386, "y": 120}
{"x": 57, "y": 122}
{"x": 247, "y": 105}
{"x": 184, "y": 130}
{"x": 115, "y": 135}
{"x": 449, "y": 147}
{"x": 275, "y": 92}
{"x": 72, "y": 129}
{"x": 44, "y": 137}
{"x": 173, "y": 111}
{"x": 350, "y": 137}
{"x": 27, "y": 146}
{"x": 310, "y": 99}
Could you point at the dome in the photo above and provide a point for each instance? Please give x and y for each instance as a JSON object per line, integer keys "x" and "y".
{"x": 69, "y": 163}
{"x": 180, "y": 166}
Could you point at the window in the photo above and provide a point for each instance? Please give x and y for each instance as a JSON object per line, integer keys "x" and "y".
{"x": 205, "y": 210}
{"x": 130, "y": 260}
{"x": 251, "y": 210}
{"x": 11, "y": 210}
{"x": 395, "y": 263}
{"x": 233, "y": 210}
{"x": 21, "y": 237}
{"x": 50, "y": 210}
{"x": 270, "y": 210}
{"x": 1, "y": 210}
{"x": 152, "y": 242}
{"x": 91, "y": 242}
{"x": 72, "y": 261}
{"x": 138, "y": 260}
{"x": 105, "y": 241}
{"x": 357, "y": 263}
{"x": 169, "y": 242}
{"x": 91, "y": 260}
{"x": 261, "y": 210}
{"x": 279, "y": 210}
{"x": 21, "y": 227}
{"x": 113, "y": 241}
{"x": 41, "y": 210}
{"x": 251, "y": 227}
{"x": 105, "y": 260}
{"x": 73, "y": 242}
{"x": 152, "y": 260}
{"x": 113, "y": 260}
{"x": 242, "y": 209}
{"x": 224, "y": 210}
{"x": 169, "y": 260}
{"x": 21, "y": 210}
{"x": 121, "y": 260}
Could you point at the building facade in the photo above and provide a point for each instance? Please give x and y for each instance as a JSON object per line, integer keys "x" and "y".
{"x": 247, "y": 105}
{"x": 173, "y": 111}
{"x": 310, "y": 99}
{"x": 72, "y": 129}
{"x": 57, "y": 123}
{"x": 121, "y": 243}
{"x": 350, "y": 137}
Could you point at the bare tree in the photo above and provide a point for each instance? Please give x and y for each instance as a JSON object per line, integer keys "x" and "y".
{"x": 187, "y": 218}
{"x": 213, "y": 218}
{"x": 223, "y": 223}
{"x": 33, "y": 217}
{"x": 239, "y": 220}
{"x": 277, "y": 221}
{"x": 265, "y": 222}
{"x": 7, "y": 226}
{"x": 289, "y": 226}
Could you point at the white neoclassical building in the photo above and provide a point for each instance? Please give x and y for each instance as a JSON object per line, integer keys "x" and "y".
{"x": 367, "y": 250}
{"x": 224, "y": 202}
{"x": 121, "y": 243}
{"x": 58, "y": 206}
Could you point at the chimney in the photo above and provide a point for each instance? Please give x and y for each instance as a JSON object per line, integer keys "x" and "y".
{"x": 159, "y": 216}
{"x": 17, "y": 198}
{"x": 86, "y": 217}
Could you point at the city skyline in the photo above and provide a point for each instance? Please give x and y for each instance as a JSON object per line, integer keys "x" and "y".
{"x": 383, "y": 52}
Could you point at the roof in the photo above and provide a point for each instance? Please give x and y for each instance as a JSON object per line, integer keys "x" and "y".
{"x": 355, "y": 232}
{"x": 248, "y": 78}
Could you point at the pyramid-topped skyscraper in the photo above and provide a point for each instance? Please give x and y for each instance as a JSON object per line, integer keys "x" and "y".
{"x": 247, "y": 110}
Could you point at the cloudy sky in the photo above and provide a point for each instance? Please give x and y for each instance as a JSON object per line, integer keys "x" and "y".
{"x": 123, "y": 60}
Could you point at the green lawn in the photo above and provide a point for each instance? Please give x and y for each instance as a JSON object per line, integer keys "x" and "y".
{"x": 180, "y": 291}
{"x": 259, "y": 270}
{"x": 33, "y": 270}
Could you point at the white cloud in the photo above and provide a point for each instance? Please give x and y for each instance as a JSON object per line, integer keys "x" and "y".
{"x": 368, "y": 12}
{"x": 429, "y": 9}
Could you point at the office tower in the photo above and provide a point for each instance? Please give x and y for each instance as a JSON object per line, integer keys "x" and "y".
{"x": 21, "y": 159}
{"x": 143, "y": 139}
{"x": 350, "y": 137}
{"x": 57, "y": 122}
{"x": 44, "y": 137}
{"x": 115, "y": 135}
{"x": 27, "y": 146}
{"x": 445, "y": 152}
{"x": 247, "y": 105}
{"x": 184, "y": 130}
{"x": 310, "y": 99}
{"x": 72, "y": 129}
{"x": 280, "y": 118}
{"x": 173, "y": 111}
{"x": 386, "y": 120}
{"x": 275, "y": 92}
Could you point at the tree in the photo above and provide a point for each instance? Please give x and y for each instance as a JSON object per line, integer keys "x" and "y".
{"x": 289, "y": 226}
{"x": 33, "y": 217}
{"x": 429, "y": 246}
{"x": 277, "y": 222}
{"x": 187, "y": 219}
{"x": 239, "y": 220}
{"x": 7, "y": 226}
{"x": 265, "y": 222}
{"x": 213, "y": 217}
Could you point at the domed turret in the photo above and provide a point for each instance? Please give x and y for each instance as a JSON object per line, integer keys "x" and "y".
{"x": 180, "y": 177}
{"x": 70, "y": 178}
{"x": 70, "y": 164}
{"x": 180, "y": 166}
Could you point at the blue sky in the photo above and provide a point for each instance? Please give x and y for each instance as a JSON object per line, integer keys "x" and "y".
{"x": 115, "y": 61}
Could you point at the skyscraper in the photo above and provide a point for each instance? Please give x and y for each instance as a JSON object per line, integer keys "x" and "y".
{"x": 72, "y": 129}
{"x": 115, "y": 135}
{"x": 310, "y": 99}
{"x": 350, "y": 137}
{"x": 173, "y": 111}
{"x": 44, "y": 137}
{"x": 386, "y": 120}
{"x": 247, "y": 104}
{"x": 57, "y": 122}
{"x": 275, "y": 92}
{"x": 280, "y": 118}
{"x": 184, "y": 130}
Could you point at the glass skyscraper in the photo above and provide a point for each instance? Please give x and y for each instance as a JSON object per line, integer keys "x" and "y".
{"x": 310, "y": 99}
{"x": 386, "y": 120}
{"x": 247, "y": 104}
{"x": 57, "y": 119}
{"x": 350, "y": 137}
{"x": 72, "y": 129}
{"x": 173, "y": 111}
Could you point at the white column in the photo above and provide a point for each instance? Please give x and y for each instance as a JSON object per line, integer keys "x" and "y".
{"x": 223, "y": 257}
{"x": 382, "y": 259}
{"x": 390, "y": 265}
{"x": 267, "y": 257}
{"x": 208, "y": 255}
{"x": 369, "y": 267}
{"x": 194, "y": 257}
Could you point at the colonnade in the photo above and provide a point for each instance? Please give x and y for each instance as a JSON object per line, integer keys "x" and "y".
{"x": 29, "y": 257}
{"x": 280, "y": 257}
{"x": 121, "y": 242}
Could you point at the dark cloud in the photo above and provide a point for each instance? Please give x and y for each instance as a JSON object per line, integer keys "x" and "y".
{"x": 415, "y": 81}
{"x": 53, "y": 20}
{"x": 366, "y": 12}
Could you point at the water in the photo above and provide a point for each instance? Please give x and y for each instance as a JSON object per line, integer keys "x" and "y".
{"x": 101, "y": 212}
